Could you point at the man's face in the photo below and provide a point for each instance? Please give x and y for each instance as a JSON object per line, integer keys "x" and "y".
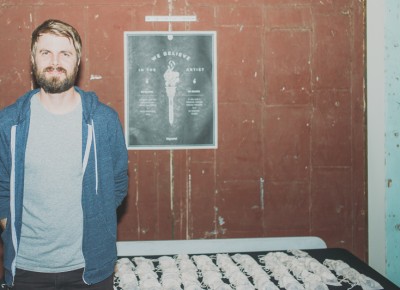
{"x": 55, "y": 64}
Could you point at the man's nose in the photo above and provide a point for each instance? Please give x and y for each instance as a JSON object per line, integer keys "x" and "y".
{"x": 54, "y": 60}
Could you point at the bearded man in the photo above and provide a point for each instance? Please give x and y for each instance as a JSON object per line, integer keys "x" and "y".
{"x": 63, "y": 173}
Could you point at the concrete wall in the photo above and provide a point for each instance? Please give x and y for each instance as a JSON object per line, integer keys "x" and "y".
{"x": 383, "y": 85}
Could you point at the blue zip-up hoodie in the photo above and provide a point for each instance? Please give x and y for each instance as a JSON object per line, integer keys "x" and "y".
{"x": 105, "y": 182}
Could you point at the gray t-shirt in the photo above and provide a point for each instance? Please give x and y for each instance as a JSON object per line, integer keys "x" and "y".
{"x": 52, "y": 218}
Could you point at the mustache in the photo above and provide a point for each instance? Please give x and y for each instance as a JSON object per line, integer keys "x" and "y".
{"x": 58, "y": 69}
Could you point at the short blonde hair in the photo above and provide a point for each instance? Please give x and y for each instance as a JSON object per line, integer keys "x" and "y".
{"x": 59, "y": 28}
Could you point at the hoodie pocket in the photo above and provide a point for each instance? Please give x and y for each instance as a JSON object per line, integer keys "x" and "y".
{"x": 99, "y": 241}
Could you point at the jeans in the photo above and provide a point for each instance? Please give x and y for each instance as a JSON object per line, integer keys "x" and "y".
{"x": 72, "y": 280}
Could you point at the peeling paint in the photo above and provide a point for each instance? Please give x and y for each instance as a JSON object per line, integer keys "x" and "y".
{"x": 188, "y": 203}
{"x": 262, "y": 192}
{"x": 210, "y": 234}
{"x": 247, "y": 121}
{"x": 170, "y": 9}
{"x": 171, "y": 181}
{"x": 95, "y": 77}
{"x": 137, "y": 200}
{"x": 339, "y": 208}
{"x": 221, "y": 221}
{"x": 172, "y": 191}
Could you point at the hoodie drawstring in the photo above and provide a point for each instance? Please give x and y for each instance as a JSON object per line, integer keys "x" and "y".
{"x": 12, "y": 197}
{"x": 91, "y": 138}
{"x": 95, "y": 157}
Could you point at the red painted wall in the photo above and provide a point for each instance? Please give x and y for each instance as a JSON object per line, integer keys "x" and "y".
{"x": 291, "y": 104}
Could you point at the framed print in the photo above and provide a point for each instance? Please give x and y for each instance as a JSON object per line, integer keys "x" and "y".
{"x": 170, "y": 90}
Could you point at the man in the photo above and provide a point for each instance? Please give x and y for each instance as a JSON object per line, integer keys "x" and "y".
{"x": 63, "y": 173}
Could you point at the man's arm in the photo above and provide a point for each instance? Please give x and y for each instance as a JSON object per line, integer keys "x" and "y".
{"x": 120, "y": 156}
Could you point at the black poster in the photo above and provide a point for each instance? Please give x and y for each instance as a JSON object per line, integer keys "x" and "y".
{"x": 170, "y": 90}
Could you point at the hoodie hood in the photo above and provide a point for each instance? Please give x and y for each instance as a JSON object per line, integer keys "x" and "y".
{"x": 22, "y": 107}
{"x": 90, "y": 102}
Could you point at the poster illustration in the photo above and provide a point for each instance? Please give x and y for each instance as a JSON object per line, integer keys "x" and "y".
{"x": 170, "y": 90}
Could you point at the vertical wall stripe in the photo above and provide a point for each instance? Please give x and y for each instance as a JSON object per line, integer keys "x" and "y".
{"x": 376, "y": 135}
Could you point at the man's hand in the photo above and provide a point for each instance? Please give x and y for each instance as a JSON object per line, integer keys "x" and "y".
{"x": 3, "y": 223}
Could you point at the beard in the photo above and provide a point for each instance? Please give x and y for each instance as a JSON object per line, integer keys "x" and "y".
{"x": 55, "y": 85}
